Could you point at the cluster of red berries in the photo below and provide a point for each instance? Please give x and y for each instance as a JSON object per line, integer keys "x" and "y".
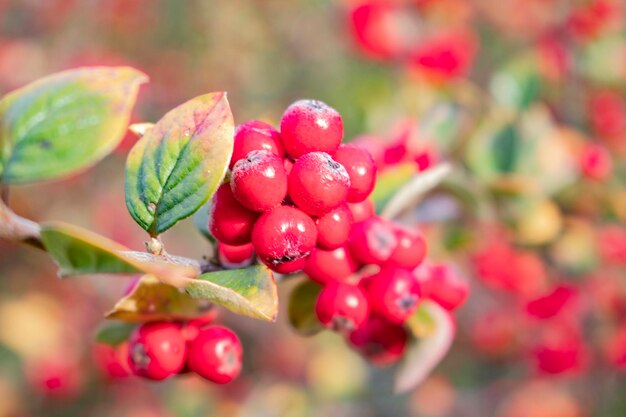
{"x": 290, "y": 192}
{"x": 159, "y": 350}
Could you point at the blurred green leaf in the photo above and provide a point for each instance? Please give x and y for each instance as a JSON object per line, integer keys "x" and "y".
{"x": 301, "y": 308}
{"x": 389, "y": 181}
{"x": 179, "y": 163}
{"x": 114, "y": 333}
{"x": 505, "y": 147}
{"x": 78, "y": 252}
{"x": 434, "y": 330}
{"x": 517, "y": 84}
{"x": 250, "y": 291}
{"x": 151, "y": 300}
{"x": 65, "y": 122}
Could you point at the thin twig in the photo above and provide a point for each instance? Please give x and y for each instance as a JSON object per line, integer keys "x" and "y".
{"x": 16, "y": 228}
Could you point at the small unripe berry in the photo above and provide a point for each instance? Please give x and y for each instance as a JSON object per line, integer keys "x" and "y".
{"x": 229, "y": 221}
{"x": 411, "y": 248}
{"x": 255, "y": 135}
{"x": 330, "y": 266}
{"x": 342, "y": 306}
{"x": 373, "y": 241}
{"x": 393, "y": 293}
{"x": 259, "y": 181}
{"x": 317, "y": 183}
{"x": 361, "y": 169}
{"x": 380, "y": 341}
{"x": 215, "y": 354}
{"x": 235, "y": 256}
{"x": 333, "y": 228}
{"x": 283, "y": 235}
{"x": 362, "y": 211}
{"x": 310, "y": 126}
{"x": 157, "y": 350}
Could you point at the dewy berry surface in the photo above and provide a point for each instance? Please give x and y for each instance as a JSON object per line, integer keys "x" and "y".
{"x": 157, "y": 350}
{"x": 229, "y": 221}
{"x": 361, "y": 169}
{"x": 318, "y": 184}
{"x": 255, "y": 135}
{"x": 259, "y": 181}
{"x": 283, "y": 235}
{"x": 393, "y": 293}
{"x": 215, "y": 354}
{"x": 333, "y": 228}
{"x": 373, "y": 241}
{"x": 309, "y": 126}
{"x": 335, "y": 265}
{"x": 342, "y": 306}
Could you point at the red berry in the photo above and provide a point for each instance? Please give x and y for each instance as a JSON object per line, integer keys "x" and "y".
{"x": 317, "y": 183}
{"x": 596, "y": 163}
{"x": 373, "y": 241}
{"x": 259, "y": 181}
{"x": 361, "y": 169}
{"x": 342, "y": 306}
{"x": 157, "y": 350}
{"x": 235, "y": 256}
{"x": 443, "y": 284}
{"x": 255, "y": 135}
{"x": 559, "y": 352}
{"x": 393, "y": 293}
{"x": 411, "y": 248}
{"x": 330, "y": 266}
{"x": 374, "y": 146}
{"x": 112, "y": 360}
{"x": 333, "y": 228}
{"x": 215, "y": 354}
{"x": 309, "y": 126}
{"x": 229, "y": 221}
{"x": 362, "y": 211}
{"x": 380, "y": 341}
{"x": 284, "y": 235}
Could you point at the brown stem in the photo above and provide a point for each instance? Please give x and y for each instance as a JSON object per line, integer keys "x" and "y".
{"x": 16, "y": 228}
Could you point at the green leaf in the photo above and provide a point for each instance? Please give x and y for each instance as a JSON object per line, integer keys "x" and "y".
{"x": 179, "y": 163}
{"x": 114, "y": 333}
{"x": 409, "y": 194}
{"x": 250, "y": 291}
{"x": 302, "y": 308}
{"x": 65, "y": 122}
{"x": 388, "y": 183}
{"x": 433, "y": 329}
{"x": 152, "y": 300}
{"x": 78, "y": 252}
{"x": 506, "y": 144}
{"x": 517, "y": 84}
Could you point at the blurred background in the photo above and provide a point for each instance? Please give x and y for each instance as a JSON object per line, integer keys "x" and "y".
{"x": 527, "y": 99}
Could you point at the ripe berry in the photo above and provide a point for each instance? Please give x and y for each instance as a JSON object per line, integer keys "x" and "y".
{"x": 112, "y": 360}
{"x": 596, "y": 163}
{"x": 259, "y": 181}
{"x": 380, "y": 341}
{"x": 317, "y": 183}
{"x": 361, "y": 169}
{"x": 373, "y": 241}
{"x": 309, "y": 126}
{"x": 282, "y": 236}
{"x": 342, "y": 306}
{"x": 330, "y": 266}
{"x": 411, "y": 248}
{"x": 333, "y": 228}
{"x": 235, "y": 256}
{"x": 157, "y": 350}
{"x": 393, "y": 293}
{"x": 229, "y": 221}
{"x": 443, "y": 284}
{"x": 362, "y": 211}
{"x": 559, "y": 352}
{"x": 215, "y": 354}
{"x": 255, "y": 135}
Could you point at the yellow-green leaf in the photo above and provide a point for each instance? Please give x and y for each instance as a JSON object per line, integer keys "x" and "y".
{"x": 250, "y": 291}
{"x": 179, "y": 163}
{"x": 65, "y": 122}
{"x": 302, "y": 308}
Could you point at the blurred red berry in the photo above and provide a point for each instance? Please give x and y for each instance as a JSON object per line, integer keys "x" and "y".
{"x": 335, "y": 265}
{"x": 229, "y": 221}
{"x": 361, "y": 169}
{"x": 342, "y": 306}
{"x": 157, "y": 350}
{"x": 333, "y": 228}
{"x": 215, "y": 354}
{"x": 380, "y": 341}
